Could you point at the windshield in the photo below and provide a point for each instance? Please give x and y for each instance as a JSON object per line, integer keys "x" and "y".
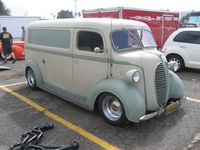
{"x": 127, "y": 39}
{"x": 147, "y": 38}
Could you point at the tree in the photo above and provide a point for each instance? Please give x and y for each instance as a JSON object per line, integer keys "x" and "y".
{"x": 3, "y": 10}
{"x": 65, "y": 14}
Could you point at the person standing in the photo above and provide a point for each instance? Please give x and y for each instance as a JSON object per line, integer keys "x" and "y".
{"x": 23, "y": 33}
{"x": 6, "y": 41}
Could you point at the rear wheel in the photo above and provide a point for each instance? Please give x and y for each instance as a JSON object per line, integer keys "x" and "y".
{"x": 112, "y": 109}
{"x": 31, "y": 79}
{"x": 179, "y": 61}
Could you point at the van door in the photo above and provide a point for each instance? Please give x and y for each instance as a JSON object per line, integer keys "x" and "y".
{"x": 88, "y": 67}
{"x": 56, "y": 58}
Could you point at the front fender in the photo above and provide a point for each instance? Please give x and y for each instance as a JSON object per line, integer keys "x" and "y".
{"x": 131, "y": 98}
{"x": 36, "y": 69}
{"x": 176, "y": 86}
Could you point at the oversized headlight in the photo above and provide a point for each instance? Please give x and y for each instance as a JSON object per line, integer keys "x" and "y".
{"x": 133, "y": 76}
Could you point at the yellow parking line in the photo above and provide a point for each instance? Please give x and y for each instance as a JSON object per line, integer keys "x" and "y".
{"x": 66, "y": 123}
{"x": 13, "y": 84}
{"x": 193, "y": 99}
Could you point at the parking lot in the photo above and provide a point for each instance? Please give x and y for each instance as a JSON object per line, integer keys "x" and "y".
{"x": 22, "y": 108}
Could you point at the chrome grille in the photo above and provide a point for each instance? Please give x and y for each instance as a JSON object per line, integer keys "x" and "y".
{"x": 162, "y": 83}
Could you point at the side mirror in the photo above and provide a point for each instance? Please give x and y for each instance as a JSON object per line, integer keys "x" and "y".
{"x": 98, "y": 50}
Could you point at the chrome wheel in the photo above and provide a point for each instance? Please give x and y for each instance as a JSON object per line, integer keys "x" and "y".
{"x": 31, "y": 78}
{"x": 112, "y": 108}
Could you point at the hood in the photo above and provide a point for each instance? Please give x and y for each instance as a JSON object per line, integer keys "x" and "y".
{"x": 143, "y": 58}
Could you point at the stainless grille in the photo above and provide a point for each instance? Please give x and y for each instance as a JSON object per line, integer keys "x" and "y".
{"x": 162, "y": 83}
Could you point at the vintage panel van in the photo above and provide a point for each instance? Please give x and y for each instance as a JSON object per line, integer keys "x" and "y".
{"x": 107, "y": 64}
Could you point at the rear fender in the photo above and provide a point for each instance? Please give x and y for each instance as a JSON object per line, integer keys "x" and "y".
{"x": 36, "y": 69}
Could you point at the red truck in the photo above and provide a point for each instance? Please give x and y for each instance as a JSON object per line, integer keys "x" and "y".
{"x": 162, "y": 23}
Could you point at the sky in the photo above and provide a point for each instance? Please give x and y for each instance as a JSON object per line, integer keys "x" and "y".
{"x": 49, "y": 8}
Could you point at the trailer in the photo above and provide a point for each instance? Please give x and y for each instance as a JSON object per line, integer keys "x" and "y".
{"x": 14, "y": 24}
{"x": 161, "y": 23}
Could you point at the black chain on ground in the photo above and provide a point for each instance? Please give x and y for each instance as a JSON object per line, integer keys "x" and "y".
{"x": 31, "y": 140}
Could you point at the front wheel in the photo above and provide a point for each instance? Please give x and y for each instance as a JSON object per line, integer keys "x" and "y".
{"x": 112, "y": 109}
{"x": 31, "y": 79}
{"x": 179, "y": 61}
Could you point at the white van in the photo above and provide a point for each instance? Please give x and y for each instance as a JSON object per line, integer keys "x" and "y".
{"x": 107, "y": 64}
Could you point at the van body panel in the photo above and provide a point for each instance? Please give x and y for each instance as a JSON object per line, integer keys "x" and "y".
{"x": 67, "y": 95}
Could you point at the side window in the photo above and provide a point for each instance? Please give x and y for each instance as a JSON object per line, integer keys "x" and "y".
{"x": 50, "y": 37}
{"x": 194, "y": 37}
{"x": 181, "y": 37}
{"x": 87, "y": 41}
{"x": 188, "y": 37}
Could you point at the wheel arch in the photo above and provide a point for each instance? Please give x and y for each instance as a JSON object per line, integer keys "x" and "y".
{"x": 37, "y": 72}
{"x": 131, "y": 98}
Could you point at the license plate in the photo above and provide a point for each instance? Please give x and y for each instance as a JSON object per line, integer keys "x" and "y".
{"x": 170, "y": 108}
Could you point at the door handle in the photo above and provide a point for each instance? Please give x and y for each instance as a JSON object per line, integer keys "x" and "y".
{"x": 182, "y": 46}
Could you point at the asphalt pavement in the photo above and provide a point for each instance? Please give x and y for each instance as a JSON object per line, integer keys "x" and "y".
{"x": 21, "y": 109}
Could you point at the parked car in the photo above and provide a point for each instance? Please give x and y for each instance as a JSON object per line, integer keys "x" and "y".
{"x": 183, "y": 46}
{"x": 110, "y": 65}
{"x": 18, "y": 50}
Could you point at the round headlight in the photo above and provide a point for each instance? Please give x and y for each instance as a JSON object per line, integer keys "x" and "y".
{"x": 136, "y": 76}
{"x": 133, "y": 76}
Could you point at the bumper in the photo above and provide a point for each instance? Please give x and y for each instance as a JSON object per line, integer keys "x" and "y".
{"x": 168, "y": 109}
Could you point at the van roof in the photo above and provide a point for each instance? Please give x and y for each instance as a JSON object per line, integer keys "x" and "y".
{"x": 89, "y": 23}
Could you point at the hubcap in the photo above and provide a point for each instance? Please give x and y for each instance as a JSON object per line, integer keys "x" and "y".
{"x": 112, "y": 108}
{"x": 31, "y": 78}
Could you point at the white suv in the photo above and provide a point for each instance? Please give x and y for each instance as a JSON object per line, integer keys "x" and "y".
{"x": 183, "y": 46}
